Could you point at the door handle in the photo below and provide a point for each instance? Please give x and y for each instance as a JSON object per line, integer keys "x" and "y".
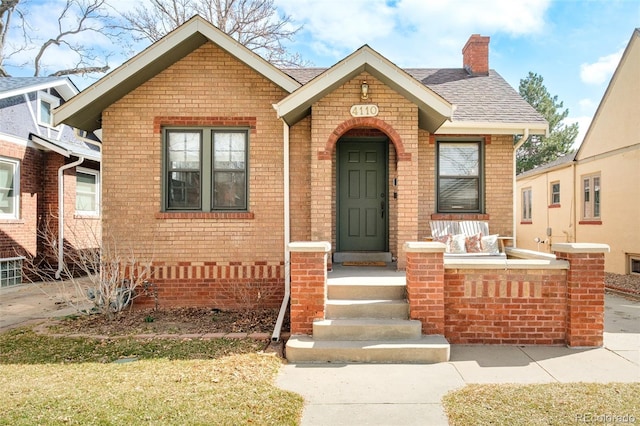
{"x": 382, "y": 209}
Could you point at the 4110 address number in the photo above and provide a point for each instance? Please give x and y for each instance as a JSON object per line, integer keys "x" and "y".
{"x": 366, "y": 110}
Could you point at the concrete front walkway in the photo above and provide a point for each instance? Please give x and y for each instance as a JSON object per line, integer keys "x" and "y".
{"x": 392, "y": 394}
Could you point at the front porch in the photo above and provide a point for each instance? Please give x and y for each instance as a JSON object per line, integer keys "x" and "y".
{"x": 375, "y": 314}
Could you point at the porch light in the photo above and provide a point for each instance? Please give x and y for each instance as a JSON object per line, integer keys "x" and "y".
{"x": 364, "y": 90}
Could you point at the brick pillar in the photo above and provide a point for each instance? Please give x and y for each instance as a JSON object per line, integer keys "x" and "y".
{"x": 308, "y": 283}
{"x": 585, "y": 292}
{"x": 425, "y": 284}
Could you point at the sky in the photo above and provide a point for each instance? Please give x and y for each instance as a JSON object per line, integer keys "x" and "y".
{"x": 574, "y": 45}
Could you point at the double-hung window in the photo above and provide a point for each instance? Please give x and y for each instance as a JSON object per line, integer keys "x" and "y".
{"x": 591, "y": 197}
{"x": 555, "y": 193}
{"x": 9, "y": 188}
{"x": 87, "y": 192}
{"x": 460, "y": 187}
{"x": 205, "y": 170}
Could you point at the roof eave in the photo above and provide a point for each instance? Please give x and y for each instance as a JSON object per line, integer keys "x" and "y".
{"x": 67, "y": 153}
{"x": 84, "y": 110}
{"x": 63, "y": 86}
{"x": 434, "y": 109}
{"x": 494, "y": 128}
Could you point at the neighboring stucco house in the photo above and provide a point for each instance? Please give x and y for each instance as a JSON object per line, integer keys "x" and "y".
{"x": 214, "y": 159}
{"x": 40, "y": 165}
{"x": 589, "y": 195}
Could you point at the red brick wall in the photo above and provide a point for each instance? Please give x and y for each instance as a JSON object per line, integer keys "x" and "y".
{"x": 517, "y": 306}
{"x": 18, "y": 237}
{"x": 308, "y": 276}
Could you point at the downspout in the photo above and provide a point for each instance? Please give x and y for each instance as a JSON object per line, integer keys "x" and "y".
{"x": 287, "y": 235}
{"x": 524, "y": 138}
{"x": 61, "y": 213}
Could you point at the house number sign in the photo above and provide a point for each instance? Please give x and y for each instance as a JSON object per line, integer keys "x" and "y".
{"x": 364, "y": 110}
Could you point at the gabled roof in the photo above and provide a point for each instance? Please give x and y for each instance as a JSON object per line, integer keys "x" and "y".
{"x": 635, "y": 38}
{"x": 85, "y": 110}
{"x": 482, "y": 104}
{"x": 433, "y": 109}
{"x": 13, "y": 86}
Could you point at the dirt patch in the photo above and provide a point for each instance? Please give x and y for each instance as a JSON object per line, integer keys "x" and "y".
{"x": 169, "y": 321}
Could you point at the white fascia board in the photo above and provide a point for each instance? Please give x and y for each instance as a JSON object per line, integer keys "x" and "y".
{"x": 492, "y": 128}
{"x": 63, "y": 86}
{"x": 164, "y": 46}
{"x": 360, "y": 61}
{"x": 65, "y": 152}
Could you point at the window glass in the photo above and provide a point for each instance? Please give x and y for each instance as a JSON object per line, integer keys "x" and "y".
{"x": 591, "y": 197}
{"x": 184, "y": 191}
{"x": 555, "y": 193}
{"x": 596, "y": 196}
{"x": 229, "y": 182}
{"x": 459, "y": 185}
{"x": 9, "y": 190}
{"x": 86, "y": 192}
{"x": 526, "y": 204}
{"x": 45, "y": 112}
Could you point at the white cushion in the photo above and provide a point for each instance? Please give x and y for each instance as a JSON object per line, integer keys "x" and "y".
{"x": 490, "y": 244}
{"x": 457, "y": 243}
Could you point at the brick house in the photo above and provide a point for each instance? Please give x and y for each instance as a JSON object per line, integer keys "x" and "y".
{"x": 47, "y": 172}
{"x": 213, "y": 159}
{"x": 243, "y": 184}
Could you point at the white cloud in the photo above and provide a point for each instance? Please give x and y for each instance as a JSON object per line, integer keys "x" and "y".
{"x": 410, "y": 32}
{"x": 583, "y": 125}
{"x": 587, "y": 104}
{"x": 600, "y": 71}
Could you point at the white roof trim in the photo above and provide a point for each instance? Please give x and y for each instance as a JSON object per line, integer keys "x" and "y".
{"x": 63, "y": 85}
{"x": 162, "y": 47}
{"x": 364, "y": 59}
{"x": 487, "y": 127}
{"x": 45, "y": 143}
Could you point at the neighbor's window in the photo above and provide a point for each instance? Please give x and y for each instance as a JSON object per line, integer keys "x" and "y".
{"x": 591, "y": 197}
{"x": 206, "y": 169}
{"x": 9, "y": 188}
{"x": 555, "y": 193}
{"x": 46, "y": 104}
{"x": 459, "y": 177}
{"x": 526, "y": 204}
{"x": 634, "y": 265}
{"x": 87, "y": 192}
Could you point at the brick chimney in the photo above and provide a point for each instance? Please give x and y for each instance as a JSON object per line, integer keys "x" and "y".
{"x": 475, "y": 55}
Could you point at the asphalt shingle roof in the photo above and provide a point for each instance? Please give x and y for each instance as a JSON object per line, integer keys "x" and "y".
{"x": 477, "y": 98}
{"x": 8, "y": 84}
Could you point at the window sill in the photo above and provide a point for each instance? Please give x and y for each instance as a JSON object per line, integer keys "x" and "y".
{"x": 86, "y": 216}
{"x": 554, "y": 206}
{"x": 12, "y": 221}
{"x": 526, "y": 222}
{"x": 590, "y": 222}
{"x": 459, "y": 216}
{"x": 205, "y": 215}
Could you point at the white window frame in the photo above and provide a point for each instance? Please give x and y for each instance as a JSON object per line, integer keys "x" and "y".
{"x": 53, "y": 103}
{"x": 588, "y": 205}
{"x": 527, "y": 205}
{"x": 553, "y": 194}
{"x": 96, "y": 174}
{"x": 16, "y": 189}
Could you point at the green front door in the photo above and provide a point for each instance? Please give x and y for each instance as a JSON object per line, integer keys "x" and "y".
{"x": 362, "y": 196}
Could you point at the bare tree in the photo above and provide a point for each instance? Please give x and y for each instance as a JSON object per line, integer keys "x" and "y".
{"x": 255, "y": 24}
{"x": 76, "y": 22}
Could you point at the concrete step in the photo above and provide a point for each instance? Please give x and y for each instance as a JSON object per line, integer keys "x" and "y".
{"x": 366, "y": 329}
{"x": 381, "y": 309}
{"x": 358, "y": 256}
{"x": 382, "y": 291}
{"x": 422, "y": 350}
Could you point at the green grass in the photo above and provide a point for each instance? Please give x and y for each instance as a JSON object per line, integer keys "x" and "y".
{"x": 544, "y": 404}
{"x": 74, "y": 381}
